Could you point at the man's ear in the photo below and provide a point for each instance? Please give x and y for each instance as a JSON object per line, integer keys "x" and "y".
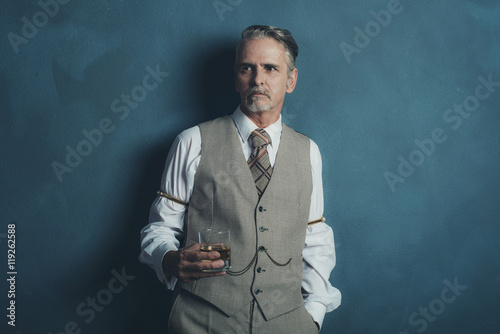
{"x": 292, "y": 80}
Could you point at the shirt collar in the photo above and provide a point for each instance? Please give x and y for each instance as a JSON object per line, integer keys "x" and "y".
{"x": 245, "y": 127}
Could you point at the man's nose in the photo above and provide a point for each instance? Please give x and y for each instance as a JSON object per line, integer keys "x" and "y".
{"x": 258, "y": 77}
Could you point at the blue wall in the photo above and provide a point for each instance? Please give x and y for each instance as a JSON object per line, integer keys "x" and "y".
{"x": 393, "y": 93}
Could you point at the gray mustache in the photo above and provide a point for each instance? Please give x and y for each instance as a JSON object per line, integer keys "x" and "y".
{"x": 255, "y": 91}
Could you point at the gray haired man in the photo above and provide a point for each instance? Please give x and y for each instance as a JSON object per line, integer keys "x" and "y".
{"x": 227, "y": 173}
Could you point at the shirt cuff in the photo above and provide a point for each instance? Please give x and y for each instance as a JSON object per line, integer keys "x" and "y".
{"x": 317, "y": 311}
{"x": 158, "y": 255}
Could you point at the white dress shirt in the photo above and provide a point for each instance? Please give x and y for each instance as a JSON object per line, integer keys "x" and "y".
{"x": 166, "y": 220}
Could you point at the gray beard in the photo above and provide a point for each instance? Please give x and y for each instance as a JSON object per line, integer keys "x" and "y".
{"x": 253, "y": 107}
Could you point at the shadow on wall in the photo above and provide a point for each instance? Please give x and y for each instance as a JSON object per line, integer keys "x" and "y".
{"x": 212, "y": 85}
{"x": 149, "y": 300}
{"x": 213, "y": 79}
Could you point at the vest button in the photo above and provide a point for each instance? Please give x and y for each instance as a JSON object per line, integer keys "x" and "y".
{"x": 261, "y": 209}
{"x": 262, "y": 229}
{"x": 257, "y": 291}
{"x": 260, "y": 270}
{"x": 262, "y": 248}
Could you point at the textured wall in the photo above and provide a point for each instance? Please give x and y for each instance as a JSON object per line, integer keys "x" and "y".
{"x": 402, "y": 98}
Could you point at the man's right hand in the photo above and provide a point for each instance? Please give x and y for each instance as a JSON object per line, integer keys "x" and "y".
{"x": 187, "y": 263}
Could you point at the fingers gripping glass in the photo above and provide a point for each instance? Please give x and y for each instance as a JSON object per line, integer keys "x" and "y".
{"x": 216, "y": 240}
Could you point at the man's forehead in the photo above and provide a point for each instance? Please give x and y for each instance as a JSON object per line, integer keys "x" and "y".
{"x": 260, "y": 49}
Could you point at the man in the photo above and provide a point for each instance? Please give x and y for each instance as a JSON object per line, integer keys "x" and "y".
{"x": 254, "y": 175}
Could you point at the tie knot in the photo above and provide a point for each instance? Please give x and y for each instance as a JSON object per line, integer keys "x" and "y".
{"x": 260, "y": 138}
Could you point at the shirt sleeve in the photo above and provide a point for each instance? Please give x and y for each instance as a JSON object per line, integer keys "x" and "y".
{"x": 319, "y": 252}
{"x": 166, "y": 218}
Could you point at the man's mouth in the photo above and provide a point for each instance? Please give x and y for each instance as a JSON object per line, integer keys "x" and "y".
{"x": 257, "y": 94}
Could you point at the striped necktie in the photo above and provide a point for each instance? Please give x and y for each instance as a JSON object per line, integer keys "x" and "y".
{"x": 259, "y": 160}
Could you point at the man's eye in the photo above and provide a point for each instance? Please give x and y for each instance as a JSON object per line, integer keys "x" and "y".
{"x": 271, "y": 68}
{"x": 246, "y": 68}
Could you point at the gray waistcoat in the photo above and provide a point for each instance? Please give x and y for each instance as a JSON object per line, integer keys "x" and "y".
{"x": 224, "y": 196}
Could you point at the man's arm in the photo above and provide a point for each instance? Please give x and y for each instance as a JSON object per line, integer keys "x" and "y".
{"x": 319, "y": 252}
{"x": 160, "y": 239}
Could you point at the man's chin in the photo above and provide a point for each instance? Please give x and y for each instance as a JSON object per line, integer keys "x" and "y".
{"x": 255, "y": 106}
{"x": 257, "y": 109}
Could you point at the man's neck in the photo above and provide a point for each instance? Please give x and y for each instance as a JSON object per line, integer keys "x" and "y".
{"x": 262, "y": 118}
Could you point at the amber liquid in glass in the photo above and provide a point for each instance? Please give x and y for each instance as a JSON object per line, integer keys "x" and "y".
{"x": 225, "y": 255}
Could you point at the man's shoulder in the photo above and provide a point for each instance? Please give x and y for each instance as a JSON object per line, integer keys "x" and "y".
{"x": 314, "y": 149}
{"x": 189, "y": 134}
{"x": 194, "y": 131}
{"x": 216, "y": 126}
{"x": 223, "y": 120}
{"x": 295, "y": 132}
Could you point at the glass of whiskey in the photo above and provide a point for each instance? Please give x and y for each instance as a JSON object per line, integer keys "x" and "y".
{"x": 216, "y": 240}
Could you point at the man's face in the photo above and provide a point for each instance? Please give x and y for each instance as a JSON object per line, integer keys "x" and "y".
{"x": 262, "y": 77}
